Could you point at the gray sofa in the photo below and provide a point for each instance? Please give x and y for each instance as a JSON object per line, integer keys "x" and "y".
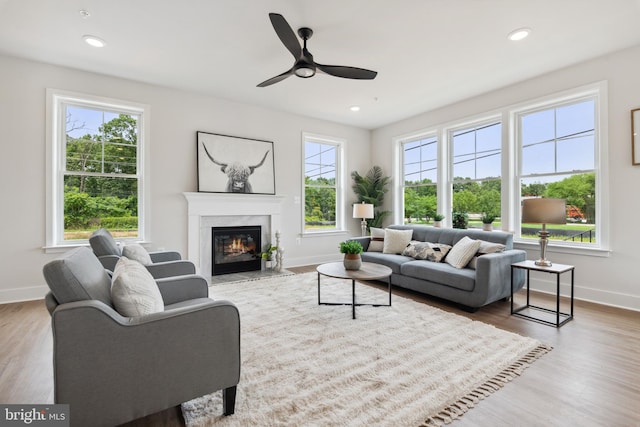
{"x": 471, "y": 289}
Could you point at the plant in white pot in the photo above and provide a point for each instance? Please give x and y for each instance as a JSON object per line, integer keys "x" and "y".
{"x": 487, "y": 221}
{"x": 351, "y": 250}
{"x": 267, "y": 256}
{"x": 437, "y": 220}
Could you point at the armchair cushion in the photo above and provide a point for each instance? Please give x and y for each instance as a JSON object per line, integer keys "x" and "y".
{"x": 134, "y": 291}
{"x": 136, "y": 252}
{"x": 103, "y": 243}
{"x": 78, "y": 276}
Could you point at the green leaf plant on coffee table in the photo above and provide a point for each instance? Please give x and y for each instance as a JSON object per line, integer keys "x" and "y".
{"x": 350, "y": 247}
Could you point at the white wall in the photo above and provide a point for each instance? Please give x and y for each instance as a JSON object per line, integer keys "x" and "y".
{"x": 610, "y": 280}
{"x": 175, "y": 118}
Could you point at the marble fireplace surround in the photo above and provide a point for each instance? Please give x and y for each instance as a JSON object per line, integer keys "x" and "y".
{"x": 208, "y": 210}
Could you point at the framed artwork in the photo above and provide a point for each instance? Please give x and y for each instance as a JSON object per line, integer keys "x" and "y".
{"x": 635, "y": 136}
{"x": 231, "y": 164}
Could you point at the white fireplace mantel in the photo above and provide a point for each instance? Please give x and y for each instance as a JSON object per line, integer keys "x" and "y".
{"x": 203, "y": 208}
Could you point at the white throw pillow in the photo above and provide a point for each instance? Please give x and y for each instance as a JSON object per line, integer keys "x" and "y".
{"x": 377, "y": 240}
{"x": 134, "y": 292}
{"x": 136, "y": 252}
{"x": 485, "y": 248}
{"x": 462, "y": 252}
{"x": 396, "y": 240}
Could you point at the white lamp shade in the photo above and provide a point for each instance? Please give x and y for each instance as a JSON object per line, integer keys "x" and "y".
{"x": 544, "y": 211}
{"x": 363, "y": 210}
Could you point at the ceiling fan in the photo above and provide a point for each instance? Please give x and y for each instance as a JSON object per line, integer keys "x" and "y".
{"x": 304, "y": 65}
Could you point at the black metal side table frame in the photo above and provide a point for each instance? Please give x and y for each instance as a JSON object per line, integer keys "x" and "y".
{"x": 556, "y": 269}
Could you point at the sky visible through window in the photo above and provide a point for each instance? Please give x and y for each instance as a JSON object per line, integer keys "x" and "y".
{"x": 554, "y": 140}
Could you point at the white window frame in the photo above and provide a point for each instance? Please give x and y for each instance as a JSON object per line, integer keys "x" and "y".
{"x": 340, "y": 177}
{"x": 511, "y": 161}
{"x": 598, "y": 93}
{"x": 55, "y": 152}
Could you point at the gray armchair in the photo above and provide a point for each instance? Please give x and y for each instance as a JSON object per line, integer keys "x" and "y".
{"x": 112, "y": 369}
{"x": 165, "y": 263}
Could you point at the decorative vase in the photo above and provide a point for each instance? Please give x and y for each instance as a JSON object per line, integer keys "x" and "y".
{"x": 487, "y": 227}
{"x": 352, "y": 261}
{"x": 437, "y": 224}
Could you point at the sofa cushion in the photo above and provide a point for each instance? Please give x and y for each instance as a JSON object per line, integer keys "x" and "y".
{"x": 462, "y": 252}
{"x": 485, "y": 248}
{"x": 441, "y": 273}
{"x": 395, "y": 241}
{"x": 133, "y": 290}
{"x": 390, "y": 260}
{"x": 427, "y": 251}
{"x": 103, "y": 243}
{"x": 377, "y": 240}
{"x": 136, "y": 252}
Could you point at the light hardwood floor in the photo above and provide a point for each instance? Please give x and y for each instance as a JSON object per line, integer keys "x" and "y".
{"x": 590, "y": 378}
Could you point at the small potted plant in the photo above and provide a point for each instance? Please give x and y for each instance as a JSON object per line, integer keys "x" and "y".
{"x": 351, "y": 250}
{"x": 267, "y": 256}
{"x": 460, "y": 220}
{"x": 487, "y": 220}
{"x": 437, "y": 220}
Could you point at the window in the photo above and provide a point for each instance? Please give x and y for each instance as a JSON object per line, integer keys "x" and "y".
{"x": 322, "y": 184}
{"x": 96, "y": 176}
{"x": 485, "y": 166}
{"x": 477, "y": 164}
{"x": 420, "y": 171}
{"x": 558, "y": 160}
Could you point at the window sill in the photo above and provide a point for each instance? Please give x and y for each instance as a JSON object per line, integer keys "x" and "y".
{"x": 573, "y": 250}
{"x": 61, "y": 248}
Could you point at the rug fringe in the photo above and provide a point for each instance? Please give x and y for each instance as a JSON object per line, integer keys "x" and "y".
{"x": 464, "y": 403}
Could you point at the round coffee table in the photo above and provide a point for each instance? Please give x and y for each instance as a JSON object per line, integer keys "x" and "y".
{"x": 368, "y": 271}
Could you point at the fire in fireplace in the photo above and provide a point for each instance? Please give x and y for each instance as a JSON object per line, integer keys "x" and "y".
{"x": 235, "y": 249}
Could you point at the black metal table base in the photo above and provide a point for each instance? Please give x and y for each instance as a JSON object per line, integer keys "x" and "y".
{"x": 353, "y": 302}
{"x": 518, "y": 311}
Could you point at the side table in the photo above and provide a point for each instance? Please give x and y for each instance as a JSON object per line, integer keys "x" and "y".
{"x": 556, "y": 269}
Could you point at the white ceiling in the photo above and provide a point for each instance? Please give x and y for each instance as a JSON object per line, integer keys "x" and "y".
{"x": 428, "y": 53}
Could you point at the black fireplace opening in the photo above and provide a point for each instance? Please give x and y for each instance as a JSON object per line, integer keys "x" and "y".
{"x": 235, "y": 249}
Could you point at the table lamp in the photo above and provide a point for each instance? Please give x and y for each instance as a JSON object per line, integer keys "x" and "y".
{"x": 363, "y": 210}
{"x": 544, "y": 211}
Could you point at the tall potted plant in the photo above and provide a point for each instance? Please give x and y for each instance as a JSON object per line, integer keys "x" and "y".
{"x": 371, "y": 188}
{"x": 351, "y": 250}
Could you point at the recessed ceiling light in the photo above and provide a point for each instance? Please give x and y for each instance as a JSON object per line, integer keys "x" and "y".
{"x": 94, "y": 41}
{"x": 355, "y": 108}
{"x": 519, "y": 34}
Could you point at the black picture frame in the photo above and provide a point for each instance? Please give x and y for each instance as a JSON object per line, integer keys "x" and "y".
{"x": 233, "y": 164}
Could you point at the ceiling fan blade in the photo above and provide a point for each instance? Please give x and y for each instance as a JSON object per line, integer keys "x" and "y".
{"x": 286, "y": 34}
{"x": 276, "y": 79}
{"x": 348, "y": 72}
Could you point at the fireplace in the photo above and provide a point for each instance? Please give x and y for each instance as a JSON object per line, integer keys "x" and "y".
{"x": 235, "y": 249}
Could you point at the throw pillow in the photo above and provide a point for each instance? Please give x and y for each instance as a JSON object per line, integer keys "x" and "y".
{"x": 462, "y": 252}
{"x": 396, "y": 240}
{"x": 485, "y": 248}
{"x": 134, "y": 292}
{"x": 137, "y": 252}
{"x": 377, "y": 240}
{"x": 425, "y": 250}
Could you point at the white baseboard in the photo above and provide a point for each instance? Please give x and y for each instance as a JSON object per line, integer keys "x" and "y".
{"x": 582, "y": 293}
{"x": 31, "y": 293}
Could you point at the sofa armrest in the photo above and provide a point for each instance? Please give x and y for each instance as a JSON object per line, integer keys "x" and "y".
{"x": 162, "y": 256}
{"x": 171, "y": 268}
{"x": 493, "y": 274}
{"x": 364, "y": 241}
{"x": 126, "y": 368}
{"x": 182, "y": 288}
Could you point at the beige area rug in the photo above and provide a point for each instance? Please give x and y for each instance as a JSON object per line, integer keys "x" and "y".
{"x": 305, "y": 364}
